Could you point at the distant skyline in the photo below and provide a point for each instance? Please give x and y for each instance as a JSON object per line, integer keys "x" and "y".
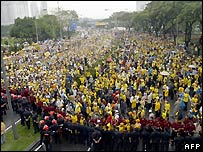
{"x": 94, "y": 9}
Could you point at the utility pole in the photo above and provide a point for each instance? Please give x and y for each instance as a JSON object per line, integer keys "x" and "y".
{"x": 36, "y": 29}
{"x": 59, "y": 20}
{"x": 8, "y": 96}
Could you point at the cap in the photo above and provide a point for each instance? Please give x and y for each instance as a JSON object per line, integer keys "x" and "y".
{"x": 54, "y": 121}
{"x": 42, "y": 122}
{"x": 45, "y": 127}
{"x": 46, "y": 117}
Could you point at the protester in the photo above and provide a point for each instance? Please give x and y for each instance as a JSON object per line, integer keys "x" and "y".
{"x": 128, "y": 91}
{"x": 3, "y": 136}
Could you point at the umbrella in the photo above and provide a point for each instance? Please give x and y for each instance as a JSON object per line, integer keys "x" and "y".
{"x": 192, "y": 66}
{"x": 164, "y": 73}
{"x": 109, "y": 60}
{"x": 47, "y": 54}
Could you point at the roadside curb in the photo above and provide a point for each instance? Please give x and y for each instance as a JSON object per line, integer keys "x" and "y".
{"x": 33, "y": 145}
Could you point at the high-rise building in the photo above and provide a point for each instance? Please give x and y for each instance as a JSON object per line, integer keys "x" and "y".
{"x": 140, "y": 5}
{"x": 34, "y": 9}
{"x": 43, "y": 8}
{"x": 10, "y": 10}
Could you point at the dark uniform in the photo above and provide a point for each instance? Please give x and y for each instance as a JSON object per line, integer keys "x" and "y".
{"x": 155, "y": 138}
{"x": 96, "y": 136}
{"x": 126, "y": 141}
{"x": 179, "y": 142}
{"x": 145, "y": 140}
{"x": 118, "y": 141}
{"x": 41, "y": 132}
{"x": 27, "y": 116}
{"x": 90, "y": 130}
{"x": 54, "y": 133}
{"x": 46, "y": 139}
{"x": 165, "y": 137}
{"x": 35, "y": 123}
{"x": 21, "y": 112}
{"x": 67, "y": 130}
{"x": 134, "y": 139}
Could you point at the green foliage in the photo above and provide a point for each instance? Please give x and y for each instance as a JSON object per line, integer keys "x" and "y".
{"x": 48, "y": 27}
{"x": 5, "y": 30}
{"x": 25, "y": 138}
{"x": 24, "y": 28}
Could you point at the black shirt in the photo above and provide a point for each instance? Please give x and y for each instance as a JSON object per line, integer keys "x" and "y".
{"x": 165, "y": 136}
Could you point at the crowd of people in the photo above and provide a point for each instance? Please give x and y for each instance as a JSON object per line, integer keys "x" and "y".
{"x": 145, "y": 88}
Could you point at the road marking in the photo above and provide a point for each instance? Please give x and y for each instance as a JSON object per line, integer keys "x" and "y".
{"x": 9, "y": 127}
{"x": 89, "y": 149}
{"x": 38, "y": 148}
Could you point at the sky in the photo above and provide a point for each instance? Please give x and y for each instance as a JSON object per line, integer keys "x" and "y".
{"x": 94, "y": 9}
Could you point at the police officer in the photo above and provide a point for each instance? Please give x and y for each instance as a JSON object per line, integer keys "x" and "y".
{"x": 134, "y": 135}
{"x": 46, "y": 138}
{"x": 165, "y": 138}
{"x": 107, "y": 139}
{"x": 178, "y": 142}
{"x": 60, "y": 121}
{"x": 41, "y": 123}
{"x": 145, "y": 139}
{"x": 66, "y": 129}
{"x": 54, "y": 131}
{"x": 47, "y": 121}
{"x": 155, "y": 139}
{"x": 90, "y": 130}
{"x": 96, "y": 137}
{"x": 117, "y": 140}
{"x": 27, "y": 115}
{"x": 35, "y": 122}
{"x": 21, "y": 112}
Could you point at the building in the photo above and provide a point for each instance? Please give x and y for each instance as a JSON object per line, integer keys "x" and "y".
{"x": 34, "y": 9}
{"x": 140, "y": 5}
{"x": 10, "y": 10}
{"x": 43, "y": 8}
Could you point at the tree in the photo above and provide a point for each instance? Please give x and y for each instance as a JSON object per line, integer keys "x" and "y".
{"x": 48, "y": 27}
{"x": 24, "y": 28}
{"x": 189, "y": 15}
{"x": 66, "y": 18}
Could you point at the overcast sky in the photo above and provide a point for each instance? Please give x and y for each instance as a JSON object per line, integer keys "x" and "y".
{"x": 94, "y": 9}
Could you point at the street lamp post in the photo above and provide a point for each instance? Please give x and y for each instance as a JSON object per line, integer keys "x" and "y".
{"x": 8, "y": 96}
{"x": 60, "y": 21}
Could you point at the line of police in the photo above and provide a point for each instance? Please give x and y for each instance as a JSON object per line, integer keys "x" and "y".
{"x": 55, "y": 128}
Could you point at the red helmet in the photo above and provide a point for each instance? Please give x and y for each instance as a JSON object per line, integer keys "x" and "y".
{"x": 42, "y": 122}
{"x": 54, "y": 121}
{"x": 15, "y": 97}
{"x": 46, "y": 127}
{"x": 46, "y": 117}
{"x": 59, "y": 116}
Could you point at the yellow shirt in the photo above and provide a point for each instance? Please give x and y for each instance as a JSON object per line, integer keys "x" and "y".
{"x": 186, "y": 97}
{"x": 167, "y": 106}
{"x": 166, "y": 93}
{"x": 3, "y": 128}
{"x": 157, "y": 106}
{"x": 181, "y": 89}
{"x": 194, "y": 99}
{"x": 133, "y": 104}
{"x": 164, "y": 115}
{"x": 74, "y": 118}
{"x": 121, "y": 128}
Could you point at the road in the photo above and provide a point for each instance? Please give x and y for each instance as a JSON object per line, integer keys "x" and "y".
{"x": 7, "y": 117}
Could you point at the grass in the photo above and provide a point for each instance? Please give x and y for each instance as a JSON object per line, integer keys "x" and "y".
{"x": 25, "y": 138}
